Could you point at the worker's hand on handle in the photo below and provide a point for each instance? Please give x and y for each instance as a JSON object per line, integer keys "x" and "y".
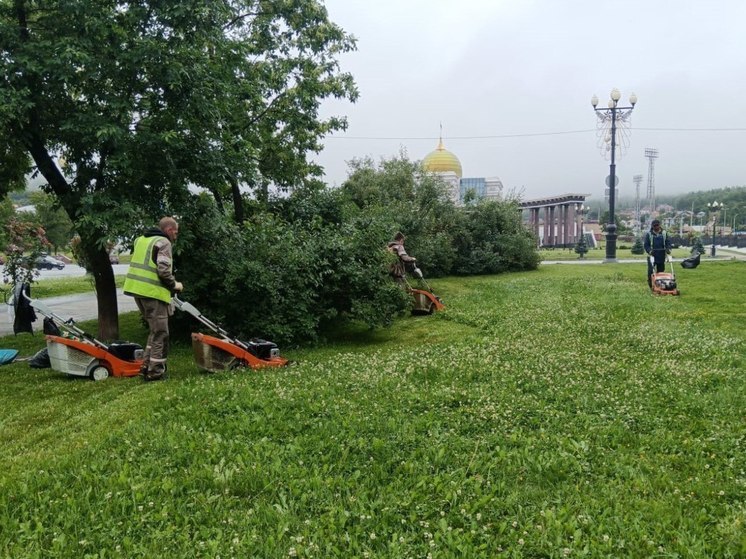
{"x": 178, "y": 287}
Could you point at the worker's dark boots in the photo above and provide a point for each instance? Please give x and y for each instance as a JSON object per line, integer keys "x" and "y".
{"x": 159, "y": 373}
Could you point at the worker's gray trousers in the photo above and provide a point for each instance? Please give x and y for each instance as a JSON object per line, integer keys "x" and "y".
{"x": 156, "y": 314}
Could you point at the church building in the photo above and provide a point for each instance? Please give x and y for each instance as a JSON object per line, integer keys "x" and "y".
{"x": 448, "y": 167}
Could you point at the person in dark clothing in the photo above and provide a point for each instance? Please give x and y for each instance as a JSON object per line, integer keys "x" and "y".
{"x": 658, "y": 245}
{"x": 398, "y": 269}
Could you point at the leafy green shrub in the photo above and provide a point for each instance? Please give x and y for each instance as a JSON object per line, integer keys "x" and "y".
{"x": 638, "y": 247}
{"x": 26, "y": 242}
{"x": 484, "y": 238}
{"x": 490, "y": 239}
{"x": 284, "y": 279}
{"x": 581, "y": 247}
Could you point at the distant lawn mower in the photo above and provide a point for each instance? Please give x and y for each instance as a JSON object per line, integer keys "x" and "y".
{"x": 226, "y": 352}
{"x": 425, "y": 300}
{"x": 663, "y": 283}
{"x": 74, "y": 352}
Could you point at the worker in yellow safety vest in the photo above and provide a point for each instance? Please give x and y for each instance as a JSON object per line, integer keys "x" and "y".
{"x": 150, "y": 280}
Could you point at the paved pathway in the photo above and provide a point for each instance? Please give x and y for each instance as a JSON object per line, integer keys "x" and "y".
{"x": 81, "y": 307}
{"x": 722, "y": 253}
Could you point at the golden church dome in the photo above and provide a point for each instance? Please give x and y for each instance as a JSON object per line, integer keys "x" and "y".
{"x": 441, "y": 161}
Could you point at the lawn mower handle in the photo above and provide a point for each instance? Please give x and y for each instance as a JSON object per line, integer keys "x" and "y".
{"x": 216, "y": 328}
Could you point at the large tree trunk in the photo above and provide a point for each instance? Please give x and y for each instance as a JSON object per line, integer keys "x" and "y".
{"x": 106, "y": 295}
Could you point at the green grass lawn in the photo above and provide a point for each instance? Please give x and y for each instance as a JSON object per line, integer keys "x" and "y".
{"x": 559, "y": 413}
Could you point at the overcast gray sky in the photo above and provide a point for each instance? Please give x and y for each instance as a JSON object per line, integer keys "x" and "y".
{"x": 491, "y": 69}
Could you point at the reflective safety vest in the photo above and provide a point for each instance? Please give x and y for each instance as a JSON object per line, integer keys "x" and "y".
{"x": 142, "y": 276}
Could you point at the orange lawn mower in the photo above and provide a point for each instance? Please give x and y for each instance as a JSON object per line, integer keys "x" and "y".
{"x": 226, "y": 352}
{"x": 425, "y": 300}
{"x": 663, "y": 283}
{"x": 74, "y": 352}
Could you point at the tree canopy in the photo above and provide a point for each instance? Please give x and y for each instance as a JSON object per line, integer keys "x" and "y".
{"x": 123, "y": 106}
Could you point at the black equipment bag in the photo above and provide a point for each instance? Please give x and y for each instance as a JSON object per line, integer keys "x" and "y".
{"x": 40, "y": 360}
{"x": 691, "y": 262}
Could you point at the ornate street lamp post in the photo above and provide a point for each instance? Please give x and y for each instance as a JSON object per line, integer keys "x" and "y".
{"x": 581, "y": 247}
{"x": 714, "y": 208}
{"x": 582, "y": 212}
{"x": 609, "y": 118}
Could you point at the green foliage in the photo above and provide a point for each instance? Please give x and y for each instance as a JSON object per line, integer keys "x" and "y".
{"x": 286, "y": 272}
{"x": 483, "y": 238}
{"x": 53, "y": 219}
{"x": 733, "y": 198}
{"x": 491, "y": 239}
{"x": 638, "y": 247}
{"x": 144, "y": 100}
{"x": 581, "y": 247}
{"x": 7, "y": 211}
{"x": 15, "y": 164}
{"x": 26, "y": 242}
{"x": 499, "y": 427}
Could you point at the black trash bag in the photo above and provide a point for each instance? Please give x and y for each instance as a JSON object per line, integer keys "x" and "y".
{"x": 691, "y": 262}
{"x": 40, "y": 360}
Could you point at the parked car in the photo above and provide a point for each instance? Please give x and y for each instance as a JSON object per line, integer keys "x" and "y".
{"x": 48, "y": 263}
{"x": 114, "y": 258}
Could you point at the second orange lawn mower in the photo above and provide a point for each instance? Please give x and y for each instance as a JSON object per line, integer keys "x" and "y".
{"x": 425, "y": 300}
{"x": 74, "y": 352}
{"x": 225, "y": 352}
{"x": 663, "y": 283}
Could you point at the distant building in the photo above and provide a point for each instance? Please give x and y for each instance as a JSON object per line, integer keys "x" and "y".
{"x": 448, "y": 167}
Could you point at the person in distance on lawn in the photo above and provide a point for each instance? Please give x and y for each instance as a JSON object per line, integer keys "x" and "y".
{"x": 658, "y": 245}
{"x": 398, "y": 269}
{"x": 150, "y": 280}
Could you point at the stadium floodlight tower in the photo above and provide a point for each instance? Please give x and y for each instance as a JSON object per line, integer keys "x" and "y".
{"x": 610, "y": 121}
{"x": 652, "y": 155}
{"x": 638, "y": 226}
